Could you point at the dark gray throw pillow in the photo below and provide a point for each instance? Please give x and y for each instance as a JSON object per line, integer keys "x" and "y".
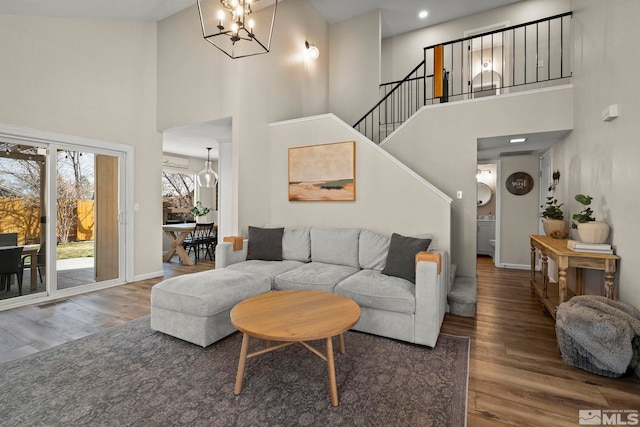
{"x": 265, "y": 244}
{"x": 401, "y": 258}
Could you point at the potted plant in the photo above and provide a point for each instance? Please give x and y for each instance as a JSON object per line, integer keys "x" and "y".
{"x": 589, "y": 230}
{"x": 553, "y": 219}
{"x": 198, "y": 210}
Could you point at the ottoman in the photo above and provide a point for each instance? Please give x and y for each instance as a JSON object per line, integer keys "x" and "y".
{"x": 195, "y": 307}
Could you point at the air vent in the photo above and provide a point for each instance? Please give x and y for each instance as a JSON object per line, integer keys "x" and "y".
{"x": 517, "y": 153}
{"x": 175, "y": 162}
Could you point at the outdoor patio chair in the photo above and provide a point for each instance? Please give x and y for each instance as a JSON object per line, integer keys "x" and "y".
{"x": 9, "y": 239}
{"x": 11, "y": 263}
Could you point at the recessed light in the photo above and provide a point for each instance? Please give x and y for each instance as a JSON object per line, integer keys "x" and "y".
{"x": 423, "y": 14}
{"x": 517, "y": 140}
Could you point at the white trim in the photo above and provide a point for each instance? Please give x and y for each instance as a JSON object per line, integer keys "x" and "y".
{"x": 515, "y": 266}
{"x": 54, "y": 141}
{"x": 148, "y": 276}
{"x": 61, "y": 294}
{"x": 365, "y": 140}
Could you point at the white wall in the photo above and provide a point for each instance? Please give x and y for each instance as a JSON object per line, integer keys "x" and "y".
{"x": 94, "y": 79}
{"x": 389, "y": 197}
{"x": 519, "y": 213}
{"x": 199, "y": 83}
{"x": 402, "y": 53}
{"x": 601, "y": 158}
{"x": 440, "y": 144}
{"x": 355, "y": 66}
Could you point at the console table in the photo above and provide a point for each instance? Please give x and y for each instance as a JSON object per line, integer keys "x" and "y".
{"x": 553, "y": 294}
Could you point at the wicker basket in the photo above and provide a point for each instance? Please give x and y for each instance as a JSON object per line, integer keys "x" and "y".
{"x": 574, "y": 354}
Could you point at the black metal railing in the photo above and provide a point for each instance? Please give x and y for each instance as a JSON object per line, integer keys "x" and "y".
{"x": 525, "y": 56}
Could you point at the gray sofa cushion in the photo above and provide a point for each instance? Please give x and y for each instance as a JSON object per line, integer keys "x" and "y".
{"x": 266, "y": 268}
{"x": 314, "y": 275}
{"x": 335, "y": 246}
{"x": 208, "y": 292}
{"x": 371, "y": 288}
{"x": 401, "y": 260}
{"x": 265, "y": 244}
{"x": 296, "y": 244}
{"x": 373, "y": 249}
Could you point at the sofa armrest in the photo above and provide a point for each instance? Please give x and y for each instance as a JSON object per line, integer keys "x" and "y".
{"x": 431, "y": 295}
{"x": 225, "y": 255}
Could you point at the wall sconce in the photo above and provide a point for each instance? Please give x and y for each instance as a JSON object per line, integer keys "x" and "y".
{"x": 556, "y": 180}
{"x": 312, "y": 50}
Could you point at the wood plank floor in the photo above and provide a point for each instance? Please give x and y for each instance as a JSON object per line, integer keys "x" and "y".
{"x": 517, "y": 377}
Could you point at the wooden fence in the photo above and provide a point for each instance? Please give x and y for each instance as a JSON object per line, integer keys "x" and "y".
{"x": 22, "y": 216}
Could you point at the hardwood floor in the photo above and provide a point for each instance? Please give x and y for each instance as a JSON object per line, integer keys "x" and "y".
{"x": 516, "y": 374}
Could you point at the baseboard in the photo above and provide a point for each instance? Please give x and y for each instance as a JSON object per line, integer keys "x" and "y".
{"x": 148, "y": 276}
{"x": 514, "y": 266}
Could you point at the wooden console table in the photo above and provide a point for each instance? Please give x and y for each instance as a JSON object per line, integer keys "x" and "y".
{"x": 553, "y": 294}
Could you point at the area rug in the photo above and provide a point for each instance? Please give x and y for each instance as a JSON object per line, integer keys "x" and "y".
{"x": 130, "y": 375}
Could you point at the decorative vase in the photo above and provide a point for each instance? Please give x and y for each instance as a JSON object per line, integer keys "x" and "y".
{"x": 556, "y": 228}
{"x": 593, "y": 232}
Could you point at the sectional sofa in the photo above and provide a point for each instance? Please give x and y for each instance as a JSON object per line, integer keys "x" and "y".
{"x": 399, "y": 282}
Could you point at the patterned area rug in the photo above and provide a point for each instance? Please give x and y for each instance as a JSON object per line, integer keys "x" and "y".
{"x": 130, "y": 375}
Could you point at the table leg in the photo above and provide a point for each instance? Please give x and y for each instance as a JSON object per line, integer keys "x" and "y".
{"x": 176, "y": 247}
{"x": 562, "y": 284}
{"x": 545, "y": 274}
{"x": 341, "y": 343}
{"x": 332, "y": 373}
{"x": 609, "y": 278}
{"x": 533, "y": 268}
{"x": 241, "y": 363}
{"x": 34, "y": 273}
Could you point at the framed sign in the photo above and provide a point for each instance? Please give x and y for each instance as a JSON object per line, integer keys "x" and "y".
{"x": 519, "y": 183}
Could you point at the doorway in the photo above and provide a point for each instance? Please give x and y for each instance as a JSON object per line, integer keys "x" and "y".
{"x": 65, "y": 202}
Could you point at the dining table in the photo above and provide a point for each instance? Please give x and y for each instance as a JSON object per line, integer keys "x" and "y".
{"x": 176, "y": 234}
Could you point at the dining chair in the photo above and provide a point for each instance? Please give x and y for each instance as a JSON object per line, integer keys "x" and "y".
{"x": 200, "y": 238}
{"x": 11, "y": 263}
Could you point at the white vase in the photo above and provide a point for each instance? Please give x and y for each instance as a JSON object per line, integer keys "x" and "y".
{"x": 556, "y": 228}
{"x": 593, "y": 232}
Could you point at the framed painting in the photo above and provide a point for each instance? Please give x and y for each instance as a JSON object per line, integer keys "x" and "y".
{"x": 323, "y": 172}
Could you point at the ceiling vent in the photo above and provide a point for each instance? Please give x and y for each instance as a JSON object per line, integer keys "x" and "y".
{"x": 517, "y": 153}
{"x": 175, "y": 162}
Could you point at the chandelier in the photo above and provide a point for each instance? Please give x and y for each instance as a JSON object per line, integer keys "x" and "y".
{"x": 233, "y": 27}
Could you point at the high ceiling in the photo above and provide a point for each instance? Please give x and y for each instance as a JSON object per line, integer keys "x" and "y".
{"x": 398, "y": 16}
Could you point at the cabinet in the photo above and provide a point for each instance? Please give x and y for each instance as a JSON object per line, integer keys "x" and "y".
{"x": 486, "y": 237}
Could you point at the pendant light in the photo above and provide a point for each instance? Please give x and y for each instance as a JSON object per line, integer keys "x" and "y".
{"x": 207, "y": 177}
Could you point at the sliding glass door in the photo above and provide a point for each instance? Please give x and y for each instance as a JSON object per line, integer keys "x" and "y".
{"x": 63, "y": 206}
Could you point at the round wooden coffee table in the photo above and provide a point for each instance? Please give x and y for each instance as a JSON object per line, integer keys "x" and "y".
{"x": 294, "y": 316}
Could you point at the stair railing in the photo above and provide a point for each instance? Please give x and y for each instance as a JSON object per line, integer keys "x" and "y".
{"x": 521, "y": 57}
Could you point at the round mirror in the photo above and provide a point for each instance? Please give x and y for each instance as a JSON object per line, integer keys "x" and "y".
{"x": 484, "y": 194}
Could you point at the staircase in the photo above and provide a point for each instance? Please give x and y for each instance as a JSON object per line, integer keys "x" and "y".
{"x": 520, "y": 57}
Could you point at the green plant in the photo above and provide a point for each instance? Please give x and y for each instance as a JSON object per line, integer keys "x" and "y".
{"x": 586, "y": 214}
{"x": 199, "y": 210}
{"x": 552, "y": 209}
